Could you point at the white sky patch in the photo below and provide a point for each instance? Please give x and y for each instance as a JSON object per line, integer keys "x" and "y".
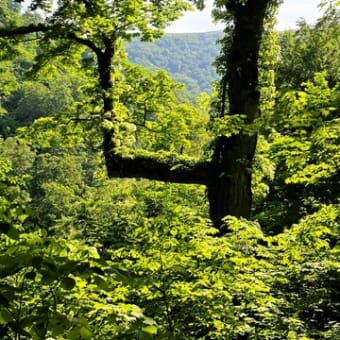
{"x": 292, "y": 10}
{"x": 289, "y": 12}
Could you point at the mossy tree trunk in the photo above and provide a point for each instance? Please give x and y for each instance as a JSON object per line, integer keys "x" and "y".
{"x": 229, "y": 187}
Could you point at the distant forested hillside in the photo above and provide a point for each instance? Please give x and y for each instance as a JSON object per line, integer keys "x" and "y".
{"x": 188, "y": 57}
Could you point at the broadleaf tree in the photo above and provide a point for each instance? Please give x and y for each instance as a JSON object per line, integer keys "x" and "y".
{"x": 101, "y": 26}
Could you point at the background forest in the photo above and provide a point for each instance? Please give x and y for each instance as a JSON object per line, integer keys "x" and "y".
{"x": 187, "y": 57}
{"x": 87, "y": 257}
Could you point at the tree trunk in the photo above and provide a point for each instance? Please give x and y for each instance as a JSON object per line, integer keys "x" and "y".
{"x": 104, "y": 67}
{"x": 229, "y": 187}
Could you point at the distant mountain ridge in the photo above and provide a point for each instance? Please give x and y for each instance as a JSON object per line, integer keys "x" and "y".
{"x": 188, "y": 57}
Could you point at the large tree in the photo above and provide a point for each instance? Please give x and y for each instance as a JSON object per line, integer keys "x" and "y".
{"x": 102, "y": 25}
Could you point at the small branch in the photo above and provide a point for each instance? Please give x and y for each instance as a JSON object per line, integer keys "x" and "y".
{"x": 32, "y": 39}
{"x": 144, "y": 126}
{"x": 92, "y": 119}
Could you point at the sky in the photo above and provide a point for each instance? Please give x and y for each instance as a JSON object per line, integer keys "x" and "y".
{"x": 289, "y": 12}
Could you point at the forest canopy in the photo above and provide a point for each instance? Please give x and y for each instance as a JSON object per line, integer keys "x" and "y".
{"x": 132, "y": 207}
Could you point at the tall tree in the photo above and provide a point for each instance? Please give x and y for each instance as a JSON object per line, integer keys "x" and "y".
{"x": 101, "y": 26}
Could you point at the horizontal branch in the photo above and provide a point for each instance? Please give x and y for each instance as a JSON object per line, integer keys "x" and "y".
{"x": 23, "y": 30}
{"x": 157, "y": 169}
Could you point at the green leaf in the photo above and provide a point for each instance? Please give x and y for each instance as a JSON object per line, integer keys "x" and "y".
{"x": 93, "y": 253}
{"x": 5, "y": 316}
{"x": 22, "y": 218}
{"x": 100, "y": 282}
{"x": 151, "y": 329}
{"x": 86, "y": 333}
{"x": 73, "y": 334}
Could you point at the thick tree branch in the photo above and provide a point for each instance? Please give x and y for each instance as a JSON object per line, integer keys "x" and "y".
{"x": 156, "y": 169}
{"x": 23, "y": 30}
{"x": 15, "y": 31}
{"x": 84, "y": 42}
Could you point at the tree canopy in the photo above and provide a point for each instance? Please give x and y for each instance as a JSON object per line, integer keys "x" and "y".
{"x": 100, "y": 27}
{"x": 128, "y": 211}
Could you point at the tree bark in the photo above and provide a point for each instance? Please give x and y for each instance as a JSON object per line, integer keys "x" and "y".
{"x": 229, "y": 187}
{"x": 153, "y": 168}
{"x": 17, "y": 31}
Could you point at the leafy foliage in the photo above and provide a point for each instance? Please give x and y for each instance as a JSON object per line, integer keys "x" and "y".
{"x": 84, "y": 257}
{"x": 310, "y": 49}
{"x": 304, "y": 149}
